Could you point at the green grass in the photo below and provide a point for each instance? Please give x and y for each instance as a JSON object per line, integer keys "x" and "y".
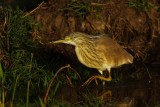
{"x": 80, "y": 9}
{"x": 2, "y": 92}
{"x": 76, "y": 8}
{"x": 27, "y": 72}
{"x": 23, "y": 77}
{"x": 142, "y": 5}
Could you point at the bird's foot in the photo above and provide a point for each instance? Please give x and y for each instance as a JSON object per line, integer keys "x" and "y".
{"x": 95, "y": 77}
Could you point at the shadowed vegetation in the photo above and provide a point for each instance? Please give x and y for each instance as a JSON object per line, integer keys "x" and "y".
{"x": 142, "y": 5}
{"x": 32, "y": 75}
{"x": 21, "y": 72}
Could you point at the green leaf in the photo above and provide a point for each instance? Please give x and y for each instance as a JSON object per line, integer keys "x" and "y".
{"x": 1, "y": 70}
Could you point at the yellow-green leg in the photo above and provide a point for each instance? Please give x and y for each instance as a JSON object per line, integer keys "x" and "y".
{"x": 99, "y": 77}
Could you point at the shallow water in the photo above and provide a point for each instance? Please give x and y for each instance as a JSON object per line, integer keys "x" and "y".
{"x": 127, "y": 94}
{"x": 136, "y": 93}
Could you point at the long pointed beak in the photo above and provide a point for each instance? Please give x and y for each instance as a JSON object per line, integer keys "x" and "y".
{"x": 58, "y": 41}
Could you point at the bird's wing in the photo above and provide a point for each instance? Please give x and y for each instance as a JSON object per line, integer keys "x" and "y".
{"x": 114, "y": 53}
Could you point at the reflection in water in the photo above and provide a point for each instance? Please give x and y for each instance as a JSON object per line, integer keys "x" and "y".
{"x": 130, "y": 94}
{"x": 136, "y": 94}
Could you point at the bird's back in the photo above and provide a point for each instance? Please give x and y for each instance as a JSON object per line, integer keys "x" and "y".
{"x": 114, "y": 53}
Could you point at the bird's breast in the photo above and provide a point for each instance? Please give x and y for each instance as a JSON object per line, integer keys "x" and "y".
{"x": 90, "y": 58}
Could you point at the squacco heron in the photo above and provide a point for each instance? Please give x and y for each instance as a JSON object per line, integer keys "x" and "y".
{"x": 99, "y": 52}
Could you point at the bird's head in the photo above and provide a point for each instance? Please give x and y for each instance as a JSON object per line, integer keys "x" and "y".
{"x": 73, "y": 39}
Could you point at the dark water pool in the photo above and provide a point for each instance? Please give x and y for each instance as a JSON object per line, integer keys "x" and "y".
{"x": 127, "y": 94}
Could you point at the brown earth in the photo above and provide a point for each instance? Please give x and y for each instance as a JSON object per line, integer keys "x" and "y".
{"x": 137, "y": 31}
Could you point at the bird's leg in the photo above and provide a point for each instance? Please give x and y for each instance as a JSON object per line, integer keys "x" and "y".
{"x": 109, "y": 74}
{"x": 99, "y": 77}
{"x": 106, "y": 79}
{"x": 101, "y": 72}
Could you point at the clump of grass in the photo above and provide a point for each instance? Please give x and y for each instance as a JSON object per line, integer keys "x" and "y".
{"x": 24, "y": 77}
{"x": 77, "y": 8}
{"x": 90, "y": 99}
{"x": 81, "y": 9}
{"x": 2, "y": 91}
{"x": 18, "y": 29}
{"x": 143, "y": 5}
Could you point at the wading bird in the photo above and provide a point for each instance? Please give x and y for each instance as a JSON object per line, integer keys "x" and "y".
{"x": 99, "y": 52}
